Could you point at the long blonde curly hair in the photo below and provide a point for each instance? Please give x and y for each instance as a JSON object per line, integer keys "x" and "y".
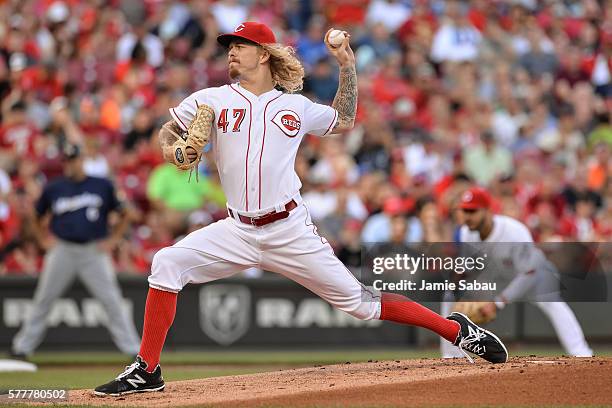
{"x": 287, "y": 70}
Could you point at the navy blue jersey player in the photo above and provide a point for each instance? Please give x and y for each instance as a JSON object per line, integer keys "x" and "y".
{"x": 77, "y": 208}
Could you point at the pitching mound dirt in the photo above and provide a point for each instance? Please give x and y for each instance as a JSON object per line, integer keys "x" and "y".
{"x": 522, "y": 381}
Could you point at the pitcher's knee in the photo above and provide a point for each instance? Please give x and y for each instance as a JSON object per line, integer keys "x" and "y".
{"x": 363, "y": 303}
{"x": 166, "y": 270}
{"x": 364, "y": 310}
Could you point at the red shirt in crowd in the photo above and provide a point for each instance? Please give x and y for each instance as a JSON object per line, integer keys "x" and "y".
{"x": 20, "y": 138}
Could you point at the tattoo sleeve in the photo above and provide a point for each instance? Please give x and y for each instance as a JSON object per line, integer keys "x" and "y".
{"x": 168, "y": 134}
{"x": 345, "y": 101}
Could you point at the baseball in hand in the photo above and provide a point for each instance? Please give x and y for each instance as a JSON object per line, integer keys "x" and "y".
{"x": 335, "y": 38}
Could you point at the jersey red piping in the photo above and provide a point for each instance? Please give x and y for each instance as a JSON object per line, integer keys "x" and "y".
{"x": 179, "y": 119}
{"x": 262, "y": 145}
{"x": 246, "y": 163}
{"x": 332, "y": 123}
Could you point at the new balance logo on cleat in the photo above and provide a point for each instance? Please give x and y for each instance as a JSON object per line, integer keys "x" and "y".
{"x": 134, "y": 379}
{"x": 472, "y": 342}
{"x": 478, "y": 341}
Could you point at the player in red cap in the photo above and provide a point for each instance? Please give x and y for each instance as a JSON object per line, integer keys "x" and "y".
{"x": 533, "y": 277}
{"x": 475, "y": 204}
{"x": 256, "y": 124}
{"x": 255, "y": 32}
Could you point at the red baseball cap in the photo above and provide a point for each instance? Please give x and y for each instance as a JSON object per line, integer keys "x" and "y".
{"x": 393, "y": 206}
{"x": 256, "y": 32}
{"x": 474, "y": 199}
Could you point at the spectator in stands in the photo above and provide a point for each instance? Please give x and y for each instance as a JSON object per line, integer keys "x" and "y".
{"x": 602, "y": 131}
{"x": 310, "y": 45}
{"x": 391, "y": 13}
{"x": 137, "y": 38}
{"x": 322, "y": 81}
{"x": 540, "y": 59}
{"x": 456, "y": 39}
{"x": 428, "y": 213}
{"x": 228, "y": 14}
{"x": 170, "y": 193}
{"x": 487, "y": 160}
{"x": 379, "y": 227}
{"x": 536, "y": 75}
{"x": 17, "y": 135}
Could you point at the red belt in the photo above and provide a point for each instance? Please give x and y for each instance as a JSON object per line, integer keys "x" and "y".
{"x": 268, "y": 218}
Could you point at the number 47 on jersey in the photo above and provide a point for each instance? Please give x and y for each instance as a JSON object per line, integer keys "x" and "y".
{"x": 238, "y": 117}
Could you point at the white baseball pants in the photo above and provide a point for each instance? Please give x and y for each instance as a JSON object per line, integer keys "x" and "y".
{"x": 290, "y": 247}
{"x": 63, "y": 264}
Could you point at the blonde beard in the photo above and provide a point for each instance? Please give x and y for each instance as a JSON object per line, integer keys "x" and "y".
{"x": 233, "y": 73}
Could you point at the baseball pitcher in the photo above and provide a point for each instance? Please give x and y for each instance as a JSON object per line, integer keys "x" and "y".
{"x": 534, "y": 277}
{"x": 255, "y": 125}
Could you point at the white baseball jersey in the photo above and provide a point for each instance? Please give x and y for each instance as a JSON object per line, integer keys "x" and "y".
{"x": 530, "y": 265}
{"x": 523, "y": 258}
{"x": 255, "y": 141}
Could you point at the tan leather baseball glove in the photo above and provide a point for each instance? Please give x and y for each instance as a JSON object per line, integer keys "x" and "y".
{"x": 176, "y": 145}
{"x": 475, "y": 311}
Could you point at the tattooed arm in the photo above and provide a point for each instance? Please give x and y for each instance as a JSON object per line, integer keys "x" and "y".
{"x": 168, "y": 134}
{"x": 345, "y": 101}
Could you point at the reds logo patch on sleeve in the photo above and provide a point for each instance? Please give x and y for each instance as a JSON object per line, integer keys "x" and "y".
{"x": 288, "y": 122}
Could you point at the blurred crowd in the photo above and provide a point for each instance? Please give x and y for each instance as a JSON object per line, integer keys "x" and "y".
{"x": 513, "y": 95}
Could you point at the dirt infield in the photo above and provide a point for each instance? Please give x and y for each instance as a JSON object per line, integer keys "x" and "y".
{"x": 524, "y": 381}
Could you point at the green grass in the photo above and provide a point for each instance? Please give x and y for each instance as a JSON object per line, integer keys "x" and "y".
{"x": 234, "y": 357}
{"x": 66, "y": 369}
{"x": 82, "y": 377}
{"x": 75, "y": 370}
{"x": 268, "y": 357}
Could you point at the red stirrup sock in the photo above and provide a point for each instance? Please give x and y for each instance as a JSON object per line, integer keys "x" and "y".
{"x": 159, "y": 315}
{"x": 400, "y": 309}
